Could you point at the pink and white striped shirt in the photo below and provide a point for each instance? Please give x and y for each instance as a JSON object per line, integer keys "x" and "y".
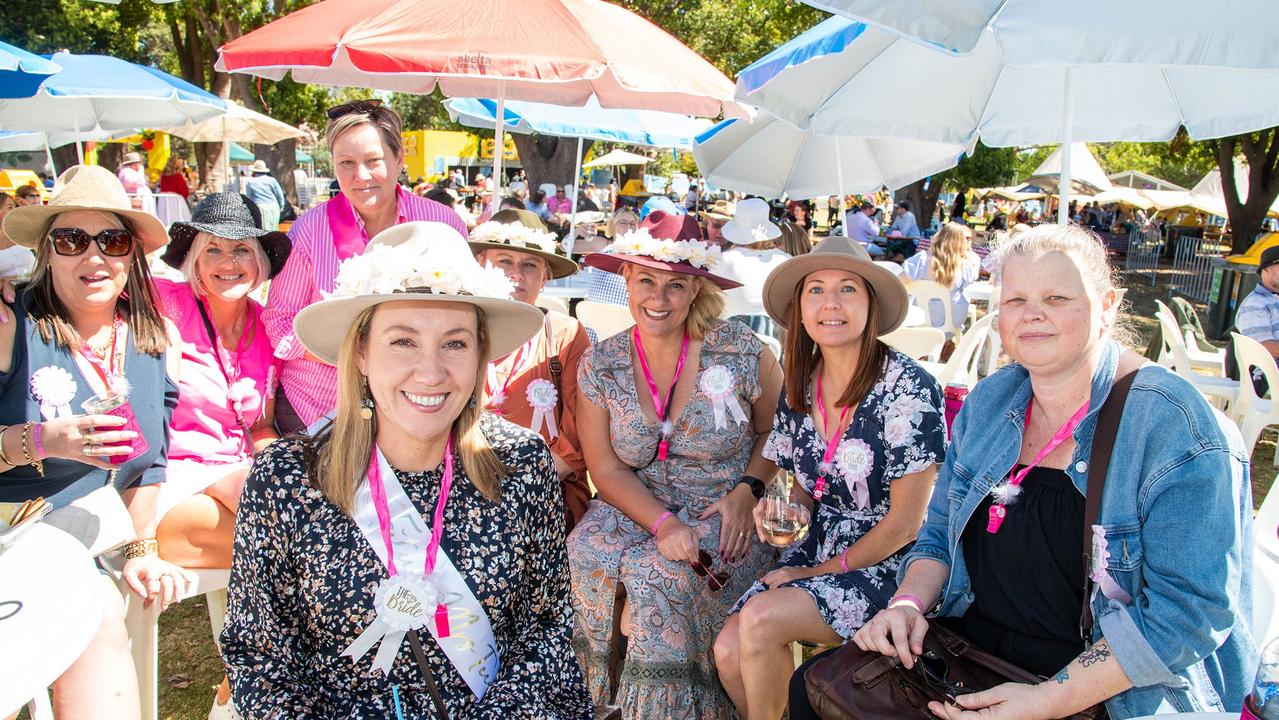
{"x": 311, "y": 387}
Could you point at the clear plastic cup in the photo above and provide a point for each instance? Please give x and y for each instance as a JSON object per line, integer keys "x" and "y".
{"x": 117, "y": 403}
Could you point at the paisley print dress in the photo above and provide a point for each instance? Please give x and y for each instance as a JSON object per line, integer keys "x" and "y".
{"x": 898, "y": 429}
{"x": 669, "y": 669}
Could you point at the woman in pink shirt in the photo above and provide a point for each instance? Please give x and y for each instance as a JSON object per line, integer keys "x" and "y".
{"x": 364, "y": 141}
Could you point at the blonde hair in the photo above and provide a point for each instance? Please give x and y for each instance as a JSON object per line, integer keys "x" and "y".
{"x": 383, "y": 119}
{"x": 946, "y": 254}
{"x": 612, "y": 222}
{"x": 708, "y": 304}
{"x": 338, "y": 457}
{"x": 1086, "y": 248}
{"x": 201, "y": 242}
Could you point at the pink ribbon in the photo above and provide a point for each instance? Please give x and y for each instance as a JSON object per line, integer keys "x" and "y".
{"x": 1100, "y": 571}
{"x": 1006, "y": 492}
{"x": 861, "y": 491}
{"x": 662, "y": 409}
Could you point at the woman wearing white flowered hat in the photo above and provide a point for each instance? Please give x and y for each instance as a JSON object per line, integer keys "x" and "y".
{"x": 672, "y": 416}
{"x": 413, "y": 515}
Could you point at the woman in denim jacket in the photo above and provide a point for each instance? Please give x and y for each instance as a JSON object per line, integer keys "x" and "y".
{"x": 1173, "y": 600}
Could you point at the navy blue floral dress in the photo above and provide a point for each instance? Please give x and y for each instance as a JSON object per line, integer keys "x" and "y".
{"x": 898, "y": 429}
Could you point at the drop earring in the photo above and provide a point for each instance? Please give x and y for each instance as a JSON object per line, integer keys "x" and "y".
{"x": 366, "y": 403}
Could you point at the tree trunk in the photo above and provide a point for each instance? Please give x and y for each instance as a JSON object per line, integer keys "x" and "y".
{"x": 922, "y": 202}
{"x": 548, "y": 159}
{"x": 1261, "y": 153}
{"x": 282, "y": 159}
{"x": 64, "y": 156}
{"x": 110, "y": 155}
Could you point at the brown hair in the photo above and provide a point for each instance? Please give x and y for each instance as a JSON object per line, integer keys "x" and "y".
{"x": 385, "y": 120}
{"x": 802, "y": 355}
{"x": 338, "y": 457}
{"x": 796, "y": 239}
{"x": 138, "y": 303}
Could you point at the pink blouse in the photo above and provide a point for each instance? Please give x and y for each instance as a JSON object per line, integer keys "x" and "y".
{"x": 205, "y": 426}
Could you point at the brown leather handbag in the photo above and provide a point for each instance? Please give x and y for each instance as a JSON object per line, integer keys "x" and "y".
{"x": 853, "y": 684}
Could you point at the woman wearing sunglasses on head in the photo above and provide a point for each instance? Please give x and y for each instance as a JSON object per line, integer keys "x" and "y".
{"x": 672, "y": 416}
{"x": 86, "y": 321}
{"x": 363, "y": 138}
{"x": 860, "y": 427}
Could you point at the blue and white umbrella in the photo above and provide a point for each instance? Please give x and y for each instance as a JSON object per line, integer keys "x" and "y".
{"x": 94, "y": 95}
{"x": 21, "y": 72}
{"x": 592, "y": 122}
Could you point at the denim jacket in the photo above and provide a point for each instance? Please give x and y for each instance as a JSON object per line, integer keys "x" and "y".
{"x": 1177, "y": 510}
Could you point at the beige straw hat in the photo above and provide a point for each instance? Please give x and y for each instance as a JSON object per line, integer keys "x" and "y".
{"x": 416, "y": 261}
{"x": 84, "y": 187}
{"x": 839, "y": 253}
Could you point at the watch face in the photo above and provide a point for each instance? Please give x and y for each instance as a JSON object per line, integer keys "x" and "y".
{"x": 757, "y": 488}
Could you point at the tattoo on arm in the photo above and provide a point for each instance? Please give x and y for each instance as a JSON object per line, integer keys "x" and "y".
{"x": 1095, "y": 654}
{"x": 1061, "y": 676}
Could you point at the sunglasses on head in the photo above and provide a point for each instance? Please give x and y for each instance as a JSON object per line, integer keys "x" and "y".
{"x": 113, "y": 242}
{"x": 715, "y": 581}
{"x": 363, "y": 107}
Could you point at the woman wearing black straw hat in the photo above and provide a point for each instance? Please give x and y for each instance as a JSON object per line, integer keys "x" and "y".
{"x": 859, "y": 427}
{"x": 408, "y": 560}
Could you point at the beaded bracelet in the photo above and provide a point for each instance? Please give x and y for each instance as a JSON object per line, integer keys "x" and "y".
{"x": 26, "y": 449}
{"x": 5, "y": 458}
{"x": 661, "y": 519}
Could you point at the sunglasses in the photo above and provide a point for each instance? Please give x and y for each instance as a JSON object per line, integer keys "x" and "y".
{"x": 715, "y": 581}
{"x": 363, "y": 107}
{"x": 935, "y": 671}
{"x": 113, "y": 242}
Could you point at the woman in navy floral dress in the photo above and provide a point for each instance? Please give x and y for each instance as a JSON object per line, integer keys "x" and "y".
{"x": 867, "y": 490}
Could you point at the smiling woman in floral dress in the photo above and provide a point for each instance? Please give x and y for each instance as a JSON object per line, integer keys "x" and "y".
{"x": 864, "y": 452}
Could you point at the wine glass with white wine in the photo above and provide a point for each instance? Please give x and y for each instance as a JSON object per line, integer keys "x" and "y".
{"x": 785, "y": 521}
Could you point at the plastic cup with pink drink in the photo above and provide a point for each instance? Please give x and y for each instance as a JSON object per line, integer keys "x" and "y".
{"x": 115, "y": 402}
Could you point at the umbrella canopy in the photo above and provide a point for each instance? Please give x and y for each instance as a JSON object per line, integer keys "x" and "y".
{"x": 634, "y": 127}
{"x": 1141, "y": 180}
{"x": 1124, "y": 196}
{"x": 239, "y": 154}
{"x": 618, "y": 157}
{"x": 238, "y": 124}
{"x": 1209, "y": 194}
{"x": 22, "y": 72}
{"x": 94, "y": 95}
{"x": 1010, "y": 192}
{"x": 1087, "y": 177}
{"x": 771, "y": 157}
{"x": 1032, "y": 32}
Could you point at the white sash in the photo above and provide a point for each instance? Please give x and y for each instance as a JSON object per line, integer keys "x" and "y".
{"x": 469, "y": 645}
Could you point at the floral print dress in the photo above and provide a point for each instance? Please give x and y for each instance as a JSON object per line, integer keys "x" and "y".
{"x": 898, "y": 429}
{"x": 304, "y": 576}
{"x": 669, "y": 669}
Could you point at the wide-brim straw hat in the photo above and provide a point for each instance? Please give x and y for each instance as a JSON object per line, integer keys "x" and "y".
{"x": 435, "y": 250}
{"x": 259, "y": 168}
{"x": 837, "y": 253}
{"x": 559, "y": 265}
{"x": 84, "y": 187}
{"x": 719, "y": 210}
{"x": 232, "y": 216}
{"x": 662, "y": 226}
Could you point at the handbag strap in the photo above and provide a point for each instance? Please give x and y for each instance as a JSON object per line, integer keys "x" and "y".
{"x": 420, "y": 656}
{"x": 1103, "y": 446}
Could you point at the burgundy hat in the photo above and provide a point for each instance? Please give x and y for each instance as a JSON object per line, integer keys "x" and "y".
{"x": 661, "y": 225}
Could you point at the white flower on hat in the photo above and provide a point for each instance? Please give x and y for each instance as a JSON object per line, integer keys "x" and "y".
{"x": 514, "y": 234}
{"x": 385, "y": 269}
{"x": 693, "y": 252}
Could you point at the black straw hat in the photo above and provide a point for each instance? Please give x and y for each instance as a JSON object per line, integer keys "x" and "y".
{"x": 231, "y": 216}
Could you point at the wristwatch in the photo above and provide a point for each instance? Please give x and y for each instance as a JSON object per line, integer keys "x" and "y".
{"x": 757, "y": 485}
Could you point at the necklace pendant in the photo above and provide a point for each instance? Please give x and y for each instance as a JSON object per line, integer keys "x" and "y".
{"x": 819, "y": 489}
{"x": 997, "y": 514}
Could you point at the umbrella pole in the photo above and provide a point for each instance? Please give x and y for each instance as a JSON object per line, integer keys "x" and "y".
{"x": 1067, "y": 147}
{"x": 499, "y": 143}
{"x": 572, "y": 223}
{"x": 839, "y": 179}
{"x": 48, "y": 153}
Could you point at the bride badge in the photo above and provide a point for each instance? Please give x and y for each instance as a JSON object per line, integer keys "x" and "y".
{"x": 403, "y": 603}
{"x": 718, "y": 383}
{"x": 54, "y": 388}
{"x": 542, "y": 397}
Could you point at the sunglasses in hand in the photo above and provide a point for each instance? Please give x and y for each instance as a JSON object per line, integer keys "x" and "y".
{"x": 935, "y": 672}
{"x": 715, "y": 581}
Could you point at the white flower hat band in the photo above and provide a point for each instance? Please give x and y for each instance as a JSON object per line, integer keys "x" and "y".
{"x": 680, "y": 254}
{"x": 522, "y": 231}
{"x": 416, "y": 261}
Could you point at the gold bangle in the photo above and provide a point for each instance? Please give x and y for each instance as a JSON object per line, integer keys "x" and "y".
{"x": 26, "y": 449}
{"x": 141, "y": 548}
{"x": 5, "y": 458}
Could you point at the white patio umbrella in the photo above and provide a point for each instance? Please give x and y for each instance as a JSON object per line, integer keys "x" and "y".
{"x": 770, "y": 157}
{"x": 618, "y": 157}
{"x": 828, "y": 79}
{"x": 239, "y": 124}
{"x": 1086, "y": 175}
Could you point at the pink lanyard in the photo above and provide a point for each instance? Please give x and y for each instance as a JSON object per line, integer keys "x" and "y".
{"x": 998, "y": 510}
{"x": 832, "y": 443}
{"x": 661, "y": 408}
{"x": 499, "y": 398}
{"x": 232, "y": 379}
{"x": 378, "y": 491}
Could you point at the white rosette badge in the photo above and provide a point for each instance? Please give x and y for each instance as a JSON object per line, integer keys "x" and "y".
{"x": 718, "y": 384}
{"x": 856, "y": 462}
{"x": 542, "y": 397}
{"x": 403, "y": 603}
{"x": 1100, "y": 570}
{"x": 54, "y": 388}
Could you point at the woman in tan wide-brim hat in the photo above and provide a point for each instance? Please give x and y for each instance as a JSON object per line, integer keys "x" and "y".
{"x": 412, "y": 510}
{"x": 860, "y": 427}
{"x": 85, "y": 321}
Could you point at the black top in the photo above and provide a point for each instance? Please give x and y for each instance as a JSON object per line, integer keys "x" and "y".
{"x": 153, "y": 398}
{"x": 1028, "y": 578}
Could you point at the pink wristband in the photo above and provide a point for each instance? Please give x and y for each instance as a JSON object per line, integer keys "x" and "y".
{"x": 843, "y": 561}
{"x": 660, "y": 519}
{"x": 899, "y": 599}
{"x": 37, "y": 439}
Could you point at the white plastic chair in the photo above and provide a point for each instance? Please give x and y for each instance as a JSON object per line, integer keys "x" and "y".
{"x": 605, "y": 319}
{"x": 1265, "y": 570}
{"x": 964, "y": 361}
{"x": 141, "y": 624}
{"x": 1201, "y": 360}
{"x": 551, "y": 302}
{"x": 771, "y": 343}
{"x": 1254, "y": 413}
{"x": 931, "y": 295}
{"x": 1220, "y": 391}
{"x": 920, "y": 343}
